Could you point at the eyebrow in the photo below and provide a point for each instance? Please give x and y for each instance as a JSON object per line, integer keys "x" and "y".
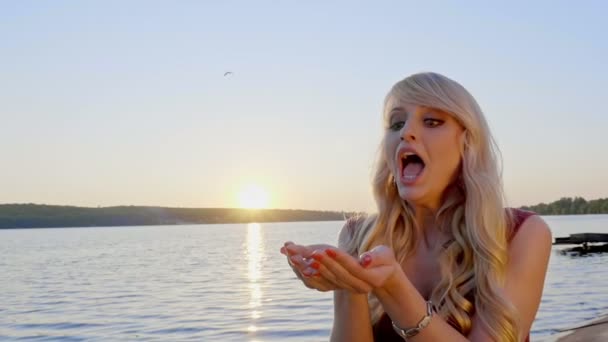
{"x": 396, "y": 110}
{"x": 399, "y": 110}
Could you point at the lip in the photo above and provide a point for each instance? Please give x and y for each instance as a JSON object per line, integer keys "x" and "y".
{"x": 400, "y": 152}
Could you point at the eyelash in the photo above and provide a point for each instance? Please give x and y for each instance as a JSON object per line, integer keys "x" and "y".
{"x": 436, "y": 122}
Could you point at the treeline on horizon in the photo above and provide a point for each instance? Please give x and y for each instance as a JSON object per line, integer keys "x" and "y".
{"x": 571, "y": 206}
{"x": 53, "y": 216}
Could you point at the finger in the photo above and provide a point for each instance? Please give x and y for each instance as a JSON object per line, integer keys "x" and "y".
{"x": 340, "y": 273}
{"x": 298, "y": 262}
{"x": 297, "y": 265}
{"x": 379, "y": 255}
{"x": 305, "y": 251}
{"x": 292, "y": 260}
{"x": 288, "y": 252}
{"x": 379, "y": 264}
{"x": 317, "y": 269}
{"x": 300, "y": 266}
{"x": 369, "y": 275}
{"x": 293, "y": 249}
{"x": 313, "y": 280}
{"x": 307, "y": 270}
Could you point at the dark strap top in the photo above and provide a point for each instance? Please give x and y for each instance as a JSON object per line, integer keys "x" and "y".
{"x": 383, "y": 329}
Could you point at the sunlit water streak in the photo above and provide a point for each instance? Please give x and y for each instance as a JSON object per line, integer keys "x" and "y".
{"x": 215, "y": 283}
{"x": 255, "y": 249}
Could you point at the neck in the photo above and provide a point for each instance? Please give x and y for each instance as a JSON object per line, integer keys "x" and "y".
{"x": 426, "y": 225}
{"x": 424, "y": 216}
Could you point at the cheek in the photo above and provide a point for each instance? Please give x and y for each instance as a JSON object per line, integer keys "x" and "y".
{"x": 449, "y": 156}
{"x": 389, "y": 148}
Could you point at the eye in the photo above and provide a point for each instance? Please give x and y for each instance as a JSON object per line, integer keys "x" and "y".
{"x": 397, "y": 125}
{"x": 433, "y": 122}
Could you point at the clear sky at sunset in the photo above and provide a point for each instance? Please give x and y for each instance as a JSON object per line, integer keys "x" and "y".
{"x": 126, "y": 103}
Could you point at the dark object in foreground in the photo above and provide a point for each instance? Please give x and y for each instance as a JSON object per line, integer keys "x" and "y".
{"x": 584, "y": 240}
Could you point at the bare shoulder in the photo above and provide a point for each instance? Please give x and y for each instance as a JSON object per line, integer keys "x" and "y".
{"x": 534, "y": 232}
{"x": 353, "y": 228}
{"x": 352, "y": 222}
{"x": 529, "y": 254}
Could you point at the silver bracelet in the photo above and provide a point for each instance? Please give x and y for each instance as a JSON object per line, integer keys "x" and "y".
{"x": 411, "y": 332}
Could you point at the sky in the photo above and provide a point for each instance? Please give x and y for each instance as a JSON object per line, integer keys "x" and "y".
{"x": 107, "y": 103}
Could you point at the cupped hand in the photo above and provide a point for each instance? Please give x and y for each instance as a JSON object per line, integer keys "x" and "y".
{"x": 325, "y": 267}
{"x": 304, "y": 267}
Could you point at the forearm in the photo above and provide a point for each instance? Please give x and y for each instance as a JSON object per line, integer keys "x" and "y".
{"x": 406, "y": 307}
{"x": 351, "y": 318}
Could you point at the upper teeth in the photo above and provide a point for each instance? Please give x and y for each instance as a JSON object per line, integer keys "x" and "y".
{"x": 406, "y": 154}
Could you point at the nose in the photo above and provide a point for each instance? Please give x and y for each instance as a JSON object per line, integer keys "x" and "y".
{"x": 408, "y": 132}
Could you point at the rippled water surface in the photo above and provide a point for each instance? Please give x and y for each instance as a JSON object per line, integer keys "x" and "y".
{"x": 215, "y": 283}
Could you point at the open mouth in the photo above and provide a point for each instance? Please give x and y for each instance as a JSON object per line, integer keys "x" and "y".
{"x": 412, "y": 167}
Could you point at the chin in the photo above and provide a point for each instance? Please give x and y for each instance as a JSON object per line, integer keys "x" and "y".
{"x": 412, "y": 196}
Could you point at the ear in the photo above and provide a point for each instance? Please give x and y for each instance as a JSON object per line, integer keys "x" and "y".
{"x": 464, "y": 141}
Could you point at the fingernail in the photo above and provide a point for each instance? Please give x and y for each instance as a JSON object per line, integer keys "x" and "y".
{"x": 366, "y": 260}
{"x": 315, "y": 265}
{"x": 307, "y": 272}
{"x": 283, "y": 250}
{"x": 294, "y": 260}
{"x": 317, "y": 256}
{"x": 331, "y": 253}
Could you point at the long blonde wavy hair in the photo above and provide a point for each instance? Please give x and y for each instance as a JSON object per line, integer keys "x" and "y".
{"x": 472, "y": 212}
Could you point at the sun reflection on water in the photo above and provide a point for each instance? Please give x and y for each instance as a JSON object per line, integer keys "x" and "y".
{"x": 255, "y": 249}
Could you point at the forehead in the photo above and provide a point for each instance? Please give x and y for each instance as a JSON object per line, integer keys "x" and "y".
{"x": 399, "y": 107}
{"x": 397, "y": 104}
{"x": 393, "y": 102}
{"x": 394, "y": 105}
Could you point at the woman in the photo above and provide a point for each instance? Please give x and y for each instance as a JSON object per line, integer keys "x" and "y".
{"x": 442, "y": 260}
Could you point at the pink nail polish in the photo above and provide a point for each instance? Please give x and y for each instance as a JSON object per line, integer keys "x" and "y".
{"x": 366, "y": 260}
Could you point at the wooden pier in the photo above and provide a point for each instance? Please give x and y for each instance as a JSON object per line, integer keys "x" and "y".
{"x": 588, "y": 243}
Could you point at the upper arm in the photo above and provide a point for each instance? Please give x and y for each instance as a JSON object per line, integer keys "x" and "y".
{"x": 351, "y": 307}
{"x": 529, "y": 254}
{"x": 346, "y": 234}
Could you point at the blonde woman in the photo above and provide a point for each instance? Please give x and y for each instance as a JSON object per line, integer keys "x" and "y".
{"x": 442, "y": 259}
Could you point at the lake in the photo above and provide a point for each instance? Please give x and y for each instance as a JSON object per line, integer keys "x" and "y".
{"x": 216, "y": 283}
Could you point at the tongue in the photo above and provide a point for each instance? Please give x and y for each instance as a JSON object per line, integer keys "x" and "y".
{"x": 412, "y": 169}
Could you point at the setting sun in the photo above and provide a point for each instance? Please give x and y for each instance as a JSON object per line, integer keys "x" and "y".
{"x": 253, "y": 197}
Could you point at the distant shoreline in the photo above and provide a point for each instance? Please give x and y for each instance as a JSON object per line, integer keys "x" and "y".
{"x": 16, "y": 216}
{"x": 571, "y": 206}
{"x": 34, "y": 216}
